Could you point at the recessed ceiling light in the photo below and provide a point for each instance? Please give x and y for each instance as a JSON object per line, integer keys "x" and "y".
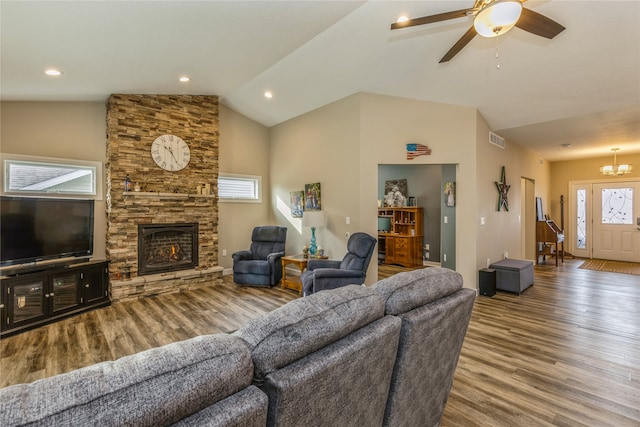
{"x": 268, "y": 94}
{"x": 53, "y": 72}
{"x": 402, "y": 18}
{"x": 184, "y": 79}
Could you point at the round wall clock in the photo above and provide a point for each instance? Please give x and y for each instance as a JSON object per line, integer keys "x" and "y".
{"x": 170, "y": 152}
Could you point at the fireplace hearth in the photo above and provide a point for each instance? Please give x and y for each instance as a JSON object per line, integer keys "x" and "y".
{"x": 167, "y": 247}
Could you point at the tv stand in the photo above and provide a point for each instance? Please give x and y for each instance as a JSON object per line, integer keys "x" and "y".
{"x": 40, "y": 294}
{"x": 34, "y": 267}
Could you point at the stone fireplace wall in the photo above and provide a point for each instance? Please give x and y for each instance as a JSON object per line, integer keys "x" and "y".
{"x": 133, "y": 123}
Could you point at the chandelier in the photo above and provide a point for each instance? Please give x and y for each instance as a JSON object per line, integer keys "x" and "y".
{"x": 616, "y": 169}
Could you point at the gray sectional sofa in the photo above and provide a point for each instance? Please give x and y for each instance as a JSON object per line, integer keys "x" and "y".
{"x": 352, "y": 356}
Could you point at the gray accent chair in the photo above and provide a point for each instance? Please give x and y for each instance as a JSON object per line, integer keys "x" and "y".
{"x": 261, "y": 265}
{"x": 435, "y": 311}
{"x": 322, "y": 274}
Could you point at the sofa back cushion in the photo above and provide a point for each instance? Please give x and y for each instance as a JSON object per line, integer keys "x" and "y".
{"x": 156, "y": 387}
{"x": 405, "y": 291}
{"x": 305, "y": 325}
{"x": 435, "y": 311}
{"x": 345, "y": 383}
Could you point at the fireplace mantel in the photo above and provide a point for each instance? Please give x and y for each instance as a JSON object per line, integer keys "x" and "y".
{"x": 147, "y": 194}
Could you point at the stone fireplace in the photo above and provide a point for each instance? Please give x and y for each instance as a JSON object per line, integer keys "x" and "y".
{"x": 165, "y": 198}
{"x": 167, "y": 247}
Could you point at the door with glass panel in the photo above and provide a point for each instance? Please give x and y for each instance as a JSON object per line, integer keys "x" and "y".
{"x": 605, "y": 220}
{"x": 616, "y": 212}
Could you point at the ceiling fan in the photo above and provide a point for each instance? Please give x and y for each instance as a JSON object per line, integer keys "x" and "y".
{"x": 491, "y": 19}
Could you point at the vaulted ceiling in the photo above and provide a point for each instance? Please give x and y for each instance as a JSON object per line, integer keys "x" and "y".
{"x": 581, "y": 88}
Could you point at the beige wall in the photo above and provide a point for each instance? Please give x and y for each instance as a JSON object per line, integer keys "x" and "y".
{"x": 502, "y": 230}
{"x": 562, "y": 173}
{"x": 77, "y": 130}
{"x": 342, "y": 144}
{"x": 321, "y": 146}
{"x": 244, "y": 149}
{"x": 67, "y": 130}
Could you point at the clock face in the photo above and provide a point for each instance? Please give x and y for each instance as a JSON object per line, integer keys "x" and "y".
{"x": 170, "y": 153}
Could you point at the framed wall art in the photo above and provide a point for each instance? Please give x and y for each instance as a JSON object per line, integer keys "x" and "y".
{"x": 312, "y": 197}
{"x": 297, "y": 200}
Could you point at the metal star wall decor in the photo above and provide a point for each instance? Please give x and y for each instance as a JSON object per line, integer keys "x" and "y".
{"x": 503, "y": 189}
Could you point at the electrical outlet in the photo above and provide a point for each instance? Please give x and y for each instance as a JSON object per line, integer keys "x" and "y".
{"x": 224, "y": 252}
{"x": 426, "y": 246}
{"x": 488, "y": 262}
{"x": 348, "y": 221}
{"x": 506, "y": 255}
{"x": 444, "y": 257}
{"x": 346, "y": 235}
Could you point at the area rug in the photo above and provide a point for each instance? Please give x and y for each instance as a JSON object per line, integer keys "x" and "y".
{"x": 612, "y": 266}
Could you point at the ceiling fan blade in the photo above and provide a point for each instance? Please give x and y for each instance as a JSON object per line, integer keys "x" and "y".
{"x": 538, "y": 24}
{"x": 464, "y": 40}
{"x": 431, "y": 19}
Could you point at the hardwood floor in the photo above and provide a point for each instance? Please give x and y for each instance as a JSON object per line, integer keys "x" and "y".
{"x": 566, "y": 352}
{"x": 129, "y": 327}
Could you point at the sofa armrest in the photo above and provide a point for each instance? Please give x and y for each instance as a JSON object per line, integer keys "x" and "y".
{"x": 332, "y": 278}
{"x": 241, "y": 256}
{"x": 273, "y": 257}
{"x": 336, "y": 273}
{"x": 314, "y": 264}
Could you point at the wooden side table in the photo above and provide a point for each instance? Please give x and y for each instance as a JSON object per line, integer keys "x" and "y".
{"x": 293, "y": 282}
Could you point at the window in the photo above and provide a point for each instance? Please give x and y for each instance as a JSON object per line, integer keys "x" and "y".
{"x": 239, "y": 188}
{"x": 617, "y": 206}
{"x": 581, "y": 219}
{"x": 59, "y": 177}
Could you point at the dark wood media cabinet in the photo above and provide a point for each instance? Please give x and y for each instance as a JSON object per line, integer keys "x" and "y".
{"x": 36, "y": 297}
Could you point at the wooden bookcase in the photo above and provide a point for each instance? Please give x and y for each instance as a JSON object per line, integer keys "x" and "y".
{"x": 402, "y": 245}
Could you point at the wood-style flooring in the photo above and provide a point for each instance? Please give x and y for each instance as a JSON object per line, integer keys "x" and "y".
{"x": 566, "y": 352}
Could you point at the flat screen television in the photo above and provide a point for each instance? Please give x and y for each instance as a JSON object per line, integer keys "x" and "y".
{"x": 37, "y": 229}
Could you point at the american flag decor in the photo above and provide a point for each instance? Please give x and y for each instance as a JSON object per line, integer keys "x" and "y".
{"x": 415, "y": 150}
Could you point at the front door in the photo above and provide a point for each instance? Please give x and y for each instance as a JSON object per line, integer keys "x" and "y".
{"x": 616, "y": 217}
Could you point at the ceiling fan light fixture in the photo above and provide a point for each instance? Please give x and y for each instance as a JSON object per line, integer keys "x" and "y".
{"x": 497, "y": 17}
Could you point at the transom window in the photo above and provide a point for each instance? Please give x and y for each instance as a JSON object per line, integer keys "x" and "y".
{"x": 239, "y": 188}
{"x": 50, "y": 177}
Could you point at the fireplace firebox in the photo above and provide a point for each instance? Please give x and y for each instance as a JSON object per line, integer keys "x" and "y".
{"x": 167, "y": 247}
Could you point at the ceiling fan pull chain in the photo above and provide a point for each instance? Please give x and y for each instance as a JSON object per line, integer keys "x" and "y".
{"x": 497, "y": 55}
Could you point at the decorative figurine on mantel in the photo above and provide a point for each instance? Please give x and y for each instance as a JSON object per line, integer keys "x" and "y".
{"x": 305, "y": 252}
